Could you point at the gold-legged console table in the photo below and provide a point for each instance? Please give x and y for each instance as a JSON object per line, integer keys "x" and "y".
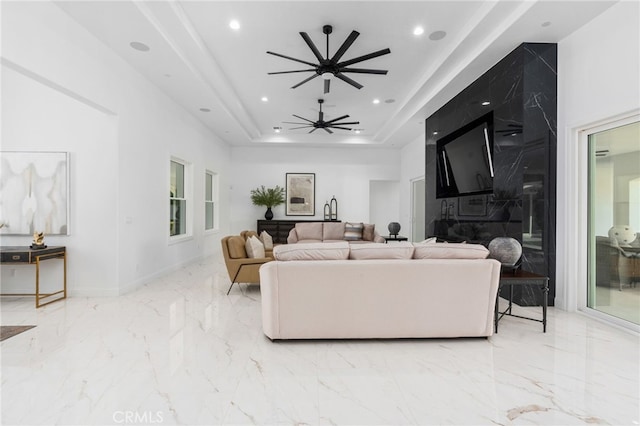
{"x": 27, "y": 255}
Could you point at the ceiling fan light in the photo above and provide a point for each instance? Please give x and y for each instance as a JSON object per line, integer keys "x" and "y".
{"x": 327, "y": 75}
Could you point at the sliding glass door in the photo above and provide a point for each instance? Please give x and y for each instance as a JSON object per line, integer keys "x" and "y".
{"x": 614, "y": 221}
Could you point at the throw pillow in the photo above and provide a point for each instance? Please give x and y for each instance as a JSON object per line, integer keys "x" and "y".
{"x": 368, "y": 231}
{"x": 312, "y": 251}
{"x": 254, "y": 248}
{"x": 267, "y": 240}
{"x": 450, "y": 251}
{"x": 236, "y": 247}
{"x": 353, "y": 231}
{"x": 399, "y": 250}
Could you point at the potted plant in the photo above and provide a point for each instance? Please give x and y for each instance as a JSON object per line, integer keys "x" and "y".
{"x": 268, "y": 197}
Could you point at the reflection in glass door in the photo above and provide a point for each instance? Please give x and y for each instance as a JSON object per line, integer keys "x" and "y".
{"x": 614, "y": 221}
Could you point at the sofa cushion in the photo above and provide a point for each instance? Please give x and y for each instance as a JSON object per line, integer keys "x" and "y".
{"x": 236, "y": 247}
{"x": 309, "y": 231}
{"x": 332, "y": 231}
{"x": 450, "y": 251}
{"x": 312, "y": 251}
{"x": 267, "y": 240}
{"x": 368, "y": 231}
{"x": 400, "y": 250}
{"x": 353, "y": 231}
{"x": 254, "y": 247}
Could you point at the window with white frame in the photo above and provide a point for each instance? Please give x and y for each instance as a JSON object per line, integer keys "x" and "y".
{"x": 210, "y": 200}
{"x": 179, "y": 213}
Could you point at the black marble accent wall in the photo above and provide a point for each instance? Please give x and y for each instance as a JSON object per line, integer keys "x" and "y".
{"x": 522, "y": 93}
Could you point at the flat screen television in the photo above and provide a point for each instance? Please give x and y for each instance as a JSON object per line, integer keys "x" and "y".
{"x": 464, "y": 163}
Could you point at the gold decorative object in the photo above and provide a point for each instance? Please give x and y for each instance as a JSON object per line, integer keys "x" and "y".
{"x": 38, "y": 240}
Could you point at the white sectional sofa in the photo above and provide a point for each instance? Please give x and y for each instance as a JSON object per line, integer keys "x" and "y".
{"x": 315, "y": 232}
{"x": 404, "y": 290}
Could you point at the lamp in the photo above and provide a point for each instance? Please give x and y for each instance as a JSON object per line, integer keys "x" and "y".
{"x": 333, "y": 208}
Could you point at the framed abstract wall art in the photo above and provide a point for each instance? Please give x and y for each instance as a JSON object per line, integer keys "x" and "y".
{"x": 301, "y": 197}
{"x": 34, "y": 193}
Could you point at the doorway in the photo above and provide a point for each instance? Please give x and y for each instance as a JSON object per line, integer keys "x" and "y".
{"x": 418, "y": 209}
{"x": 614, "y": 220}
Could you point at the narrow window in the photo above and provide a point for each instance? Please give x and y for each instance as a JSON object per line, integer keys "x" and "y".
{"x": 210, "y": 198}
{"x": 177, "y": 200}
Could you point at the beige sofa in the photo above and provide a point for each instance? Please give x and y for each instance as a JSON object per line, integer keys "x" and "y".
{"x": 315, "y": 232}
{"x": 357, "y": 291}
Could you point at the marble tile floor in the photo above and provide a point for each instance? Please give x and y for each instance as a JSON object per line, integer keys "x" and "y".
{"x": 179, "y": 351}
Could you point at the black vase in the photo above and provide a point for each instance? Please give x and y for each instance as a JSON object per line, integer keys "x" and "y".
{"x": 269, "y": 214}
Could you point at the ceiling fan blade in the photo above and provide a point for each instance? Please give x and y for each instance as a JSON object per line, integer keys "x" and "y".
{"x": 363, "y": 58}
{"x": 336, "y": 119}
{"x": 327, "y": 130}
{"x": 303, "y": 127}
{"x": 302, "y": 118}
{"x": 327, "y": 84}
{"x": 289, "y": 72}
{"x": 346, "y": 45}
{"x": 341, "y": 128}
{"x": 313, "y": 130}
{"x": 343, "y": 123}
{"x": 304, "y": 81}
{"x": 348, "y": 80}
{"x": 293, "y": 122}
{"x": 312, "y": 46}
{"x": 292, "y": 59}
{"x": 362, "y": 71}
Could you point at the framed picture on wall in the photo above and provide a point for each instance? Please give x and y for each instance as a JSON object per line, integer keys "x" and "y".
{"x": 301, "y": 194}
{"x": 472, "y": 206}
{"x": 35, "y": 193}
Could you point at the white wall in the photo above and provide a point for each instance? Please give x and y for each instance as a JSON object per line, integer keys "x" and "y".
{"x": 343, "y": 172}
{"x": 384, "y": 205}
{"x": 65, "y": 91}
{"x": 598, "y": 68}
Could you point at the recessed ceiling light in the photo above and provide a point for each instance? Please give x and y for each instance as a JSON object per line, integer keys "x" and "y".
{"x": 139, "y": 46}
{"x": 545, "y": 24}
{"x": 234, "y": 24}
{"x": 435, "y": 132}
{"x": 357, "y": 131}
{"x": 418, "y": 31}
{"x": 437, "y": 35}
{"x": 376, "y": 101}
{"x": 277, "y": 129}
{"x": 264, "y": 99}
{"x": 205, "y": 110}
{"x": 389, "y": 101}
{"x": 485, "y": 103}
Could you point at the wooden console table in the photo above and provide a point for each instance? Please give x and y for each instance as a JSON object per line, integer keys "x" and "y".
{"x": 29, "y": 256}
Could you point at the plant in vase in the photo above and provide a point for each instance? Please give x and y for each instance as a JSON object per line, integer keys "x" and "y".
{"x": 267, "y": 197}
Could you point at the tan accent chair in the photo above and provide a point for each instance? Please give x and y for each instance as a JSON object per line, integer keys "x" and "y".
{"x": 241, "y": 268}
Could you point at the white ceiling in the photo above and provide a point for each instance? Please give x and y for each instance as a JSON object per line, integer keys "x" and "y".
{"x": 200, "y": 62}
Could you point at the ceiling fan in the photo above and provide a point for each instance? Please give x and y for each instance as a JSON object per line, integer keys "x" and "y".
{"x": 321, "y": 124}
{"x": 330, "y": 67}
